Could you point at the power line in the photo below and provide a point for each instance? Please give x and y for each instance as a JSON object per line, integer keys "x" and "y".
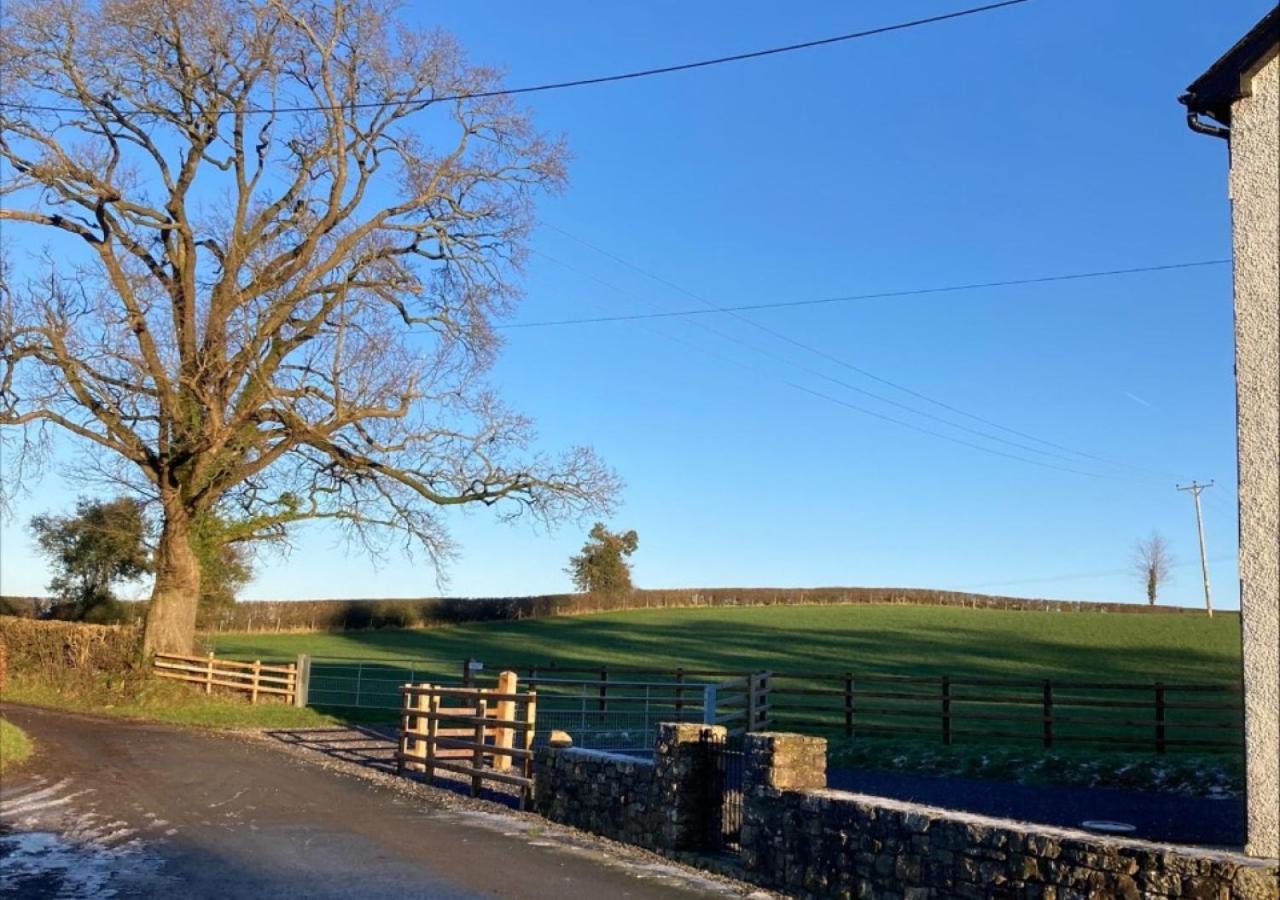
{"x": 600, "y": 79}
{"x": 853, "y": 406}
{"x": 871, "y": 375}
{"x": 1075, "y": 576}
{"x": 848, "y": 298}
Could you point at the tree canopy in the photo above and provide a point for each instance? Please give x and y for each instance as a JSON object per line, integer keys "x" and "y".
{"x": 279, "y": 234}
{"x": 101, "y": 544}
{"x": 601, "y": 567}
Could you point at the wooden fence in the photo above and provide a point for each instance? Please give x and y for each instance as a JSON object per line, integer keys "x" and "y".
{"x": 1132, "y": 715}
{"x": 742, "y": 704}
{"x": 254, "y": 678}
{"x": 615, "y": 707}
{"x": 482, "y": 732}
{"x": 1051, "y": 712}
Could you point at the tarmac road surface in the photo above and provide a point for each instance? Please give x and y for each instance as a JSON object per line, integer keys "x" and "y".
{"x": 108, "y": 808}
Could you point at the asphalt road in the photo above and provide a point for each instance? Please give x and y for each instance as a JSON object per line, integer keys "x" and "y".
{"x": 114, "y": 809}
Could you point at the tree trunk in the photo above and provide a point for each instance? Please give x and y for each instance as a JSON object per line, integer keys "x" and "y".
{"x": 171, "y": 616}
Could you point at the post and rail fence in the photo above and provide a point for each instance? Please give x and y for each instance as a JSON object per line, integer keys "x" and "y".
{"x": 1154, "y": 716}
{"x": 618, "y": 707}
{"x": 484, "y": 733}
{"x": 253, "y": 678}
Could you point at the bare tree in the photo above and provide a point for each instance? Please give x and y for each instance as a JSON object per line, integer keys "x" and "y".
{"x": 277, "y": 235}
{"x": 1152, "y": 563}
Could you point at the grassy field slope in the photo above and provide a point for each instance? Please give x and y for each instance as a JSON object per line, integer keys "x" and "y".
{"x": 881, "y": 639}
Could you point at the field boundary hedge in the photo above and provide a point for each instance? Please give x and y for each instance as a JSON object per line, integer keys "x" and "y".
{"x": 358, "y": 614}
{"x": 361, "y": 614}
{"x": 50, "y": 648}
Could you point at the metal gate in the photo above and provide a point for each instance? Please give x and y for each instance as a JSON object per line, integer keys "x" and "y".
{"x": 725, "y": 761}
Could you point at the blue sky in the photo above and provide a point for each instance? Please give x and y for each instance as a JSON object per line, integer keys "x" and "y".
{"x": 1038, "y": 140}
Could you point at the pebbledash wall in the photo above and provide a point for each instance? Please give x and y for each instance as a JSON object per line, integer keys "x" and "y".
{"x": 1242, "y": 92}
{"x": 809, "y": 841}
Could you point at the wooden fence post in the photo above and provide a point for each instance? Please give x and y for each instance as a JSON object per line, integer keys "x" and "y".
{"x": 531, "y": 723}
{"x": 1160, "y": 711}
{"x": 477, "y": 754}
{"x": 946, "y": 709}
{"x": 848, "y": 704}
{"x": 208, "y": 675}
{"x": 508, "y": 683}
{"x": 257, "y": 677}
{"x": 302, "y": 680}
{"x": 1048, "y": 713}
{"x": 763, "y": 711}
{"x": 433, "y": 724}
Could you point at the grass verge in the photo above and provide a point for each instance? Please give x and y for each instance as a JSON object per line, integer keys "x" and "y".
{"x": 1210, "y": 775}
{"x": 15, "y": 746}
{"x": 161, "y": 701}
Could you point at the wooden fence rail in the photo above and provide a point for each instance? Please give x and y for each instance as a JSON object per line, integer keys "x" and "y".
{"x": 254, "y": 678}
{"x": 1154, "y": 716}
{"x": 617, "y": 704}
{"x": 1136, "y": 715}
{"x": 482, "y": 732}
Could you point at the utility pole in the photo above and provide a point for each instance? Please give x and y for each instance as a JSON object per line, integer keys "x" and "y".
{"x": 1196, "y": 488}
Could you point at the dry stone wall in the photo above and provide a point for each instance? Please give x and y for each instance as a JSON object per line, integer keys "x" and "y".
{"x": 814, "y": 842}
{"x": 659, "y": 804}
{"x": 808, "y": 841}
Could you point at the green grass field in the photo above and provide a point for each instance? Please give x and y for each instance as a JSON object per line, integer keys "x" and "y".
{"x": 909, "y": 640}
{"x": 871, "y": 641}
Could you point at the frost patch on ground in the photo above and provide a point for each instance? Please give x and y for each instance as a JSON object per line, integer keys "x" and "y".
{"x": 41, "y": 864}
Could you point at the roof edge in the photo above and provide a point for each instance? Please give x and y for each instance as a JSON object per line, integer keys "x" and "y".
{"x": 1222, "y": 84}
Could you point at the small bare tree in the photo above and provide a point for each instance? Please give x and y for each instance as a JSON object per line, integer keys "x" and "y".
{"x": 277, "y": 232}
{"x": 1152, "y": 563}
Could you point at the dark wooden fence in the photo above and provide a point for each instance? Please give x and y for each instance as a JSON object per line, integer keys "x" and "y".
{"x": 1154, "y": 716}
{"x": 616, "y": 707}
{"x": 1052, "y": 712}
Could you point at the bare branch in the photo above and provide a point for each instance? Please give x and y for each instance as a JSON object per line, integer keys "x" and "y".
{"x": 291, "y": 314}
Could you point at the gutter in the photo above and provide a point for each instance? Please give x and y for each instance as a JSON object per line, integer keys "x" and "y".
{"x": 1199, "y": 125}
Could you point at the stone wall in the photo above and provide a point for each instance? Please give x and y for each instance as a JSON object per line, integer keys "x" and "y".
{"x": 807, "y": 840}
{"x": 658, "y": 804}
